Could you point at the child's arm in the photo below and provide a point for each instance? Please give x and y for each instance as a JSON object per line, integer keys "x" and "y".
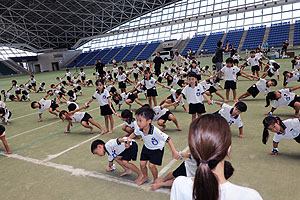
{"x": 175, "y": 154}
{"x": 264, "y": 75}
{"x": 275, "y": 149}
{"x": 68, "y": 127}
{"x": 9, "y": 89}
{"x": 132, "y": 135}
{"x": 207, "y": 98}
{"x": 185, "y": 110}
{"x": 179, "y": 97}
{"x": 294, "y": 88}
{"x": 168, "y": 105}
{"x": 90, "y": 101}
{"x": 47, "y": 95}
{"x": 109, "y": 103}
{"x": 241, "y": 132}
{"x": 271, "y": 112}
{"x": 158, "y": 83}
{"x": 278, "y": 77}
{"x": 77, "y": 110}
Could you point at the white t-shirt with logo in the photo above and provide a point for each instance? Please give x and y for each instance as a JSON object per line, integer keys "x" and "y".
{"x": 261, "y": 85}
{"x": 114, "y": 148}
{"x": 231, "y": 119}
{"x": 285, "y": 98}
{"x": 291, "y": 131}
{"x": 102, "y": 97}
{"x": 230, "y": 73}
{"x": 193, "y": 95}
{"x": 44, "y": 105}
{"x": 155, "y": 139}
{"x": 149, "y": 83}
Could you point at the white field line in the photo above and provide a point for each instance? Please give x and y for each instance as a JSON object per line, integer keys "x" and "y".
{"x": 36, "y": 112}
{"x": 82, "y": 172}
{"x": 167, "y": 167}
{"x": 40, "y": 127}
{"x": 50, "y": 157}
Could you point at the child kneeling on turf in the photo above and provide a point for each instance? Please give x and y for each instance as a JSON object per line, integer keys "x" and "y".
{"x": 154, "y": 142}
{"x": 122, "y": 150}
{"x": 82, "y": 117}
{"x": 2, "y": 137}
{"x": 129, "y": 121}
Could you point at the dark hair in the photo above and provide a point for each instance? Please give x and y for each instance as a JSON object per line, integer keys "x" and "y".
{"x": 52, "y": 86}
{"x": 178, "y": 92}
{"x": 219, "y": 43}
{"x": 209, "y": 140}
{"x": 95, "y": 144}
{"x": 127, "y": 114}
{"x": 70, "y": 93}
{"x": 62, "y": 113}
{"x": 270, "y": 96}
{"x": 2, "y": 129}
{"x": 2, "y": 111}
{"x": 229, "y": 60}
{"x": 145, "y": 111}
{"x": 116, "y": 100}
{"x": 241, "y": 106}
{"x": 99, "y": 81}
{"x": 32, "y": 104}
{"x": 252, "y": 52}
{"x": 270, "y": 120}
{"x": 43, "y": 83}
{"x": 72, "y": 107}
{"x": 67, "y": 69}
{"x": 121, "y": 68}
{"x": 81, "y": 68}
{"x": 14, "y": 81}
{"x": 32, "y": 75}
{"x": 192, "y": 74}
{"x": 274, "y": 81}
{"x": 284, "y": 77}
{"x": 2, "y": 91}
{"x": 276, "y": 66}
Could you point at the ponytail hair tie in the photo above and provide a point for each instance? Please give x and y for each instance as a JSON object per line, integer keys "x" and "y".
{"x": 203, "y": 161}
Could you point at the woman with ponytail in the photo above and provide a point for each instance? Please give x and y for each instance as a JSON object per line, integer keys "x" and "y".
{"x": 210, "y": 144}
{"x": 284, "y": 97}
{"x": 287, "y": 129}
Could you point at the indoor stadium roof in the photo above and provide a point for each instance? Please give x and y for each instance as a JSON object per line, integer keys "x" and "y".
{"x": 44, "y": 24}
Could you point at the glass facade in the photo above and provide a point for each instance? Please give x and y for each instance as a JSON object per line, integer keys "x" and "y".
{"x": 6, "y": 52}
{"x": 192, "y": 8}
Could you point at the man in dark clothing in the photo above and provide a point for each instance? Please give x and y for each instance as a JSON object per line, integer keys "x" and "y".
{"x": 284, "y": 47}
{"x": 158, "y": 61}
{"x": 232, "y": 51}
{"x": 219, "y": 57}
{"x": 99, "y": 68}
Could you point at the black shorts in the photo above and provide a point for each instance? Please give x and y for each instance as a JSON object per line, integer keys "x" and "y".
{"x": 29, "y": 86}
{"x": 165, "y": 117}
{"x": 33, "y": 84}
{"x": 270, "y": 74}
{"x": 212, "y": 89}
{"x": 132, "y": 97}
{"x": 296, "y": 99}
{"x": 11, "y": 97}
{"x": 130, "y": 153}
{"x": 235, "y": 61}
{"x": 253, "y": 90}
{"x": 198, "y": 77}
{"x": 83, "y": 78}
{"x": 171, "y": 97}
{"x": 297, "y": 139}
{"x": 122, "y": 85}
{"x": 86, "y": 117}
{"x": 77, "y": 89}
{"x": 151, "y": 92}
{"x": 69, "y": 78}
{"x": 180, "y": 171}
{"x": 18, "y": 91}
{"x": 154, "y": 156}
{"x": 54, "y": 105}
{"x": 255, "y": 68}
{"x": 113, "y": 89}
{"x": 105, "y": 110}
{"x": 135, "y": 75}
{"x": 115, "y": 75}
{"x": 159, "y": 79}
{"x": 230, "y": 85}
{"x": 64, "y": 82}
{"x": 181, "y": 82}
{"x": 196, "y": 108}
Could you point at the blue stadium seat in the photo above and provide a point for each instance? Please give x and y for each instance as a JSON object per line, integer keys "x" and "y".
{"x": 194, "y": 44}
{"x": 97, "y": 56}
{"x": 211, "y": 42}
{"x": 297, "y": 33}
{"x": 234, "y": 37}
{"x": 278, "y": 34}
{"x": 78, "y": 59}
{"x": 111, "y": 54}
{"x": 148, "y": 51}
{"x": 254, "y": 37}
{"x": 123, "y": 53}
{"x": 135, "y": 51}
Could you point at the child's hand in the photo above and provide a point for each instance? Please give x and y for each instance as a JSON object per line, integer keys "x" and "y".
{"x": 175, "y": 155}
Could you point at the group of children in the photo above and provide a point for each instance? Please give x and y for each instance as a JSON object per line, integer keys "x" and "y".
{"x": 187, "y": 77}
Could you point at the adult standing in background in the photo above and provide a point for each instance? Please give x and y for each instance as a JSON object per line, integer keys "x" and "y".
{"x": 178, "y": 59}
{"x": 219, "y": 57}
{"x": 189, "y": 54}
{"x": 284, "y": 47}
{"x": 158, "y": 61}
{"x": 265, "y": 47}
{"x": 100, "y": 68}
{"x": 232, "y": 51}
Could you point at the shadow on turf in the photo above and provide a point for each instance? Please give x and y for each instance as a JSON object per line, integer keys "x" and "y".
{"x": 292, "y": 156}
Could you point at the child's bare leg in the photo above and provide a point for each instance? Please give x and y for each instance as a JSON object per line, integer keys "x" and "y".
{"x": 119, "y": 161}
{"x": 244, "y": 95}
{"x": 83, "y": 123}
{"x": 5, "y": 145}
{"x": 234, "y": 96}
{"x": 139, "y": 102}
{"x": 163, "y": 101}
{"x": 149, "y": 101}
{"x": 111, "y": 124}
{"x": 154, "y": 171}
{"x": 154, "y": 100}
{"x": 161, "y": 123}
{"x": 297, "y": 108}
{"x": 143, "y": 165}
{"x": 97, "y": 125}
{"x": 220, "y": 95}
{"x": 106, "y": 123}
{"x": 51, "y": 111}
{"x": 227, "y": 95}
{"x": 193, "y": 117}
{"x": 156, "y": 186}
{"x": 132, "y": 167}
{"x": 174, "y": 120}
